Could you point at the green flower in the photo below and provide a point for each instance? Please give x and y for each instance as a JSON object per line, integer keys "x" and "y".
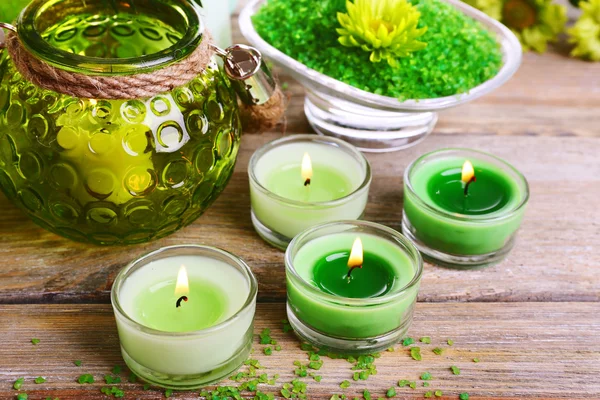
{"x": 386, "y": 28}
{"x": 534, "y": 22}
{"x": 585, "y": 34}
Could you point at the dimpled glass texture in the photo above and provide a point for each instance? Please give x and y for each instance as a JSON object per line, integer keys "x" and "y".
{"x": 116, "y": 171}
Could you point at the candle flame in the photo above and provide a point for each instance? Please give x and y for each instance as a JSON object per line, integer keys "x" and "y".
{"x": 468, "y": 172}
{"x": 182, "y": 287}
{"x": 307, "y": 171}
{"x": 356, "y": 255}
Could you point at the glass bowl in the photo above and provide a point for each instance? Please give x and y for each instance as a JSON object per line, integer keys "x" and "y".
{"x": 373, "y": 122}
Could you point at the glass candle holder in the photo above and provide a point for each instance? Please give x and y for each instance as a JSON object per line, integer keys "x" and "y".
{"x": 113, "y": 172}
{"x": 191, "y": 343}
{"x": 458, "y": 227}
{"x": 283, "y": 204}
{"x": 354, "y": 313}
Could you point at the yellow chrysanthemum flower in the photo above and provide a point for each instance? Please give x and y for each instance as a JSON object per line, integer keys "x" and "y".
{"x": 386, "y": 28}
{"x": 534, "y": 22}
{"x": 585, "y": 34}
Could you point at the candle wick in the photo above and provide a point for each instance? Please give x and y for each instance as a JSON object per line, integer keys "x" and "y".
{"x": 473, "y": 179}
{"x": 178, "y": 304}
{"x": 352, "y": 269}
{"x": 307, "y": 182}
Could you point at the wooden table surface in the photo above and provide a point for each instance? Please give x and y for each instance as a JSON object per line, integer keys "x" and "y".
{"x": 533, "y": 321}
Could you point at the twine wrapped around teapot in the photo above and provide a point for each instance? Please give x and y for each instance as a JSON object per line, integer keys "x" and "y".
{"x": 262, "y": 102}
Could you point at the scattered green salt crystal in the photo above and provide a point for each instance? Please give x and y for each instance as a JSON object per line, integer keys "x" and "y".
{"x": 345, "y": 384}
{"x": 113, "y": 391}
{"x": 425, "y": 339}
{"x": 391, "y": 392}
{"x": 438, "y": 393}
{"x": 111, "y": 379}
{"x": 265, "y": 337}
{"x": 438, "y": 351}
{"x": 455, "y": 370}
{"x": 463, "y": 396}
{"x": 286, "y": 326}
{"x": 315, "y": 365}
{"x": 18, "y": 383}
{"x": 85, "y": 378}
{"x": 39, "y": 380}
{"x": 415, "y": 353}
{"x": 408, "y": 341}
{"x": 450, "y": 342}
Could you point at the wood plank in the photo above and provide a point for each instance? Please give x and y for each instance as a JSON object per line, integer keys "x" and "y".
{"x": 556, "y": 257}
{"x": 526, "y": 351}
{"x": 551, "y": 94}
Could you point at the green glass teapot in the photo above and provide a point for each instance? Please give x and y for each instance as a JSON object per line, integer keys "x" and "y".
{"x": 106, "y": 168}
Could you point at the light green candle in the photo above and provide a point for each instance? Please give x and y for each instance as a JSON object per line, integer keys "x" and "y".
{"x": 155, "y": 306}
{"x": 375, "y": 300}
{"x": 328, "y": 183}
{"x": 174, "y": 316}
{"x": 284, "y": 202}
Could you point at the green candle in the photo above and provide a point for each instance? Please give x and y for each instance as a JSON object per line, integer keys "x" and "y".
{"x": 327, "y": 183}
{"x": 373, "y": 298}
{"x": 301, "y": 181}
{"x": 155, "y": 306}
{"x": 473, "y": 218}
{"x": 185, "y": 315}
{"x": 377, "y": 278}
{"x": 490, "y": 193}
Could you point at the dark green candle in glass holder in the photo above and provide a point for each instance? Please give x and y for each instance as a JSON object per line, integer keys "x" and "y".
{"x": 116, "y": 171}
{"x": 463, "y": 208}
